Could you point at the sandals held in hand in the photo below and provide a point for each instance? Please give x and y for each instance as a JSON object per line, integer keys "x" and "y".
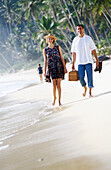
{"x": 99, "y": 67}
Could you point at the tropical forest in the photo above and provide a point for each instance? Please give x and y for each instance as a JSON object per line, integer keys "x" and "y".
{"x": 24, "y": 23}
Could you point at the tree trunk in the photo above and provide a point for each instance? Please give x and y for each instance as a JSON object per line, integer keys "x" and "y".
{"x": 66, "y": 16}
{"x": 65, "y": 35}
{"x": 76, "y": 12}
{"x": 10, "y": 27}
{"x": 34, "y": 20}
{"x": 7, "y": 30}
{"x": 106, "y": 17}
{"x": 4, "y": 67}
{"x": 107, "y": 38}
{"x": 108, "y": 26}
{"x": 91, "y": 17}
{"x": 105, "y": 8}
{"x": 69, "y": 52}
{"x": 94, "y": 32}
{"x": 74, "y": 26}
{"x": 6, "y": 61}
{"x": 54, "y": 12}
{"x": 88, "y": 29}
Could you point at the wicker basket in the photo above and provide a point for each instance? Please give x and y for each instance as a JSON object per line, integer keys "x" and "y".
{"x": 73, "y": 75}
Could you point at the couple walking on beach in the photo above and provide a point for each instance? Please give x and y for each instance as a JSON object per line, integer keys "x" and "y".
{"x": 82, "y": 47}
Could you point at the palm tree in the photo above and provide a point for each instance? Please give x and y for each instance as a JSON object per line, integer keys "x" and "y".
{"x": 31, "y": 8}
{"x": 6, "y": 61}
{"x": 77, "y": 15}
{"x": 47, "y": 25}
{"x": 3, "y": 66}
{"x": 101, "y": 7}
{"x": 86, "y": 17}
{"x": 9, "y": 15}
{"x": 70, "y": 14}
{"x": 71, "y": 25}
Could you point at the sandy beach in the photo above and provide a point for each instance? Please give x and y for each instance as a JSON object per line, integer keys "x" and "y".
{"x": 75, "y": 136}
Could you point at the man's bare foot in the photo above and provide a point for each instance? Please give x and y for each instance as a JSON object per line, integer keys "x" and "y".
{"x": 85, "y": 90}
{"x": 54, "y": 102}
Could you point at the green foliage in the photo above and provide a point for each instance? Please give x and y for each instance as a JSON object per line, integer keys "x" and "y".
{"x": 46, "y": 25}
{"x": 26, "y": 22}
{"x": 103, "y": 48}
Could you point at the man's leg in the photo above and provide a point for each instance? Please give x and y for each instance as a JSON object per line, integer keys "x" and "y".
{"x": 89, "y": 77}
{"x": 81, "y": 71}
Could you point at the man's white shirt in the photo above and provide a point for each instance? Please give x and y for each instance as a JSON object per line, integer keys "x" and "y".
{"x": 83, "y": 46}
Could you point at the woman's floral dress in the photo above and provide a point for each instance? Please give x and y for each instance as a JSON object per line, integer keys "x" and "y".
{"x": 55, "y": 65}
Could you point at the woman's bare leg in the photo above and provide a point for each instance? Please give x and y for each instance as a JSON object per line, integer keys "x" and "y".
{"x": 54, "y": 91}
{"x": 59, "y": 89}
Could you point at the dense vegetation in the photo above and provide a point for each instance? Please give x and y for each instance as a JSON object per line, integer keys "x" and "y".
{"x": 24, "y": 23}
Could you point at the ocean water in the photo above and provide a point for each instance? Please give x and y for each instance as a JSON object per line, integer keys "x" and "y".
{"x": 17, "y": 115}
{"x": 13, "y": 86}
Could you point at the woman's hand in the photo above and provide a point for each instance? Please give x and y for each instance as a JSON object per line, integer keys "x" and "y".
{"x": 65, "y": 70}
{"x": 44, "y": 74}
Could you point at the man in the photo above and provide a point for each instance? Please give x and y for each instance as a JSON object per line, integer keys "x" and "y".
{"x": 40, "y": 71}
{"x": 81, "y": 49}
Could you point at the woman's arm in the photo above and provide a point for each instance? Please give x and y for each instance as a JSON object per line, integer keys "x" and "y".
{"x": 45, "y": 62}
{"x": 62, "y": 58}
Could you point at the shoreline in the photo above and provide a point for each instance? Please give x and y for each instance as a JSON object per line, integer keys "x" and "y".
{"x": 73, "y": 136}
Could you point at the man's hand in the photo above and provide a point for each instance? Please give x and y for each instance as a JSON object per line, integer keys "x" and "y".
{"x": 97, "y": 63}
{"x": 95, "y": 55}
{"x": 73, "y": 67}
{"x": 74, "y": 59}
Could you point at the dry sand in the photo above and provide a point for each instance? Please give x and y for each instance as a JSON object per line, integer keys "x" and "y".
{"x": 75, "y": 136}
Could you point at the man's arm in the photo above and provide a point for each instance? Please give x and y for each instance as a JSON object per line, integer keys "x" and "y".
{"x": 74, "y": 59}
{"x": 95, "y": 55}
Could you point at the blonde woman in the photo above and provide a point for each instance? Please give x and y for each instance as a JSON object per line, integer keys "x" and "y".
{"x": 56, "y": 65}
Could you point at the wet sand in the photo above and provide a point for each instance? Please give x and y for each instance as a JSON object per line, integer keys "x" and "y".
{"x": 75, "y": 136}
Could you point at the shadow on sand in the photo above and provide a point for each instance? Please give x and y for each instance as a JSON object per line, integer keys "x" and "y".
{"x": 56, "y": 109}
{"x": 101, "y": 94}
{"x": 98, "y": 95}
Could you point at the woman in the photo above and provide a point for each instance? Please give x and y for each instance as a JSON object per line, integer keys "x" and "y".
{"x": 56, "y": 64}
